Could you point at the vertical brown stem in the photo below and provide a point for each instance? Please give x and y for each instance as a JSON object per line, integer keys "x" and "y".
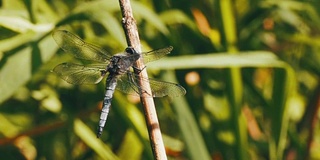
{"x": 133, "y": 40}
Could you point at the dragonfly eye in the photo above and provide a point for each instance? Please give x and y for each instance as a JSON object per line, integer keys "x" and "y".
{"x": 130, "y": 50}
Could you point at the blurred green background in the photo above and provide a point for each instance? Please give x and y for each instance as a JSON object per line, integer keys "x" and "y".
{"x": 250, "y": 68}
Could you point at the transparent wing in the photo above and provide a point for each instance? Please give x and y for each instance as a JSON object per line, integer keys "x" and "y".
{"x": 129, "y": 84}
{"x": 79, "y": 74}
{"x": 155, "y": 54}
{"x": 80, "y": 49}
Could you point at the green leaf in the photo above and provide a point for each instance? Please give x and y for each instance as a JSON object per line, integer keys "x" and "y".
{"x": 112, "y": 25}
{"x": 131, "y": 143}
{"x": 17, "y": 67}
{"x": 191, "y": 133}
{"x": 175, "y": 17}
{"x": 86, "y": 134}
{"x": 220, "y": 60}
{"x": 151, "y": 17}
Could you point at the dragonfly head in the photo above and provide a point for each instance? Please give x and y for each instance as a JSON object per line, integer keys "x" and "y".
{"x": 131, "y": 50}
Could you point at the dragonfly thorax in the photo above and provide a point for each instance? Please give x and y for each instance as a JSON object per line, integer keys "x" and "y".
{"x": 121, "y": 63}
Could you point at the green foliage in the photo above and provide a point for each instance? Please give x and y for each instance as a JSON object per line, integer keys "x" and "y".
{"x": 250, "y": 69}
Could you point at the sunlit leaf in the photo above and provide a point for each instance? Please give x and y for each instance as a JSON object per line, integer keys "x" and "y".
{"x": 131, "y": 143}
{"x": 86, "y": 134}
{"x": 16, "y": 69}
{"x": 177, "y": 17}
{"x": 151, "y": 17}
{"x": 220, "y": 60}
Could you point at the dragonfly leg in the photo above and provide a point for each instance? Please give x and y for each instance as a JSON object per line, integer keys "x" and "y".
{"x": 138, "y": 70}
{"x": 134, "y": 83}
{"x": 131, "y": 50}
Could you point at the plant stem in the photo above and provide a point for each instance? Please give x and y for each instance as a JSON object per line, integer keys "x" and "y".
{"x": 234, "y": 82}
{"x": 133, "y": 40}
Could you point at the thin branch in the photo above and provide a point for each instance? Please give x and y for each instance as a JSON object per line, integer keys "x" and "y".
{"x": 34, "y": 132}
{"x": 133, "y": 40}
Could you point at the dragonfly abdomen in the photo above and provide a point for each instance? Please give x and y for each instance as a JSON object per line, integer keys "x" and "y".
{"x": 111, "y": 84}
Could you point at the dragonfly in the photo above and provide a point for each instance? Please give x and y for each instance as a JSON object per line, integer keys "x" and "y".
{"x": 118, "y": 69}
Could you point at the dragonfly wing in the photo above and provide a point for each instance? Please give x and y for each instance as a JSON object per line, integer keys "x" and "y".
{"x": 79, "y": 74}
{"x": 126, "y": 85}
{"x": 80, "y": 49}
{"x": 162, "y": 88}
{"x": 129, "y": 84}
{"x": 155, "y": 54}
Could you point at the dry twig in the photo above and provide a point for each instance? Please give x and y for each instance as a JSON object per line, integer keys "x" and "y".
{"x": 133, "y": 40}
